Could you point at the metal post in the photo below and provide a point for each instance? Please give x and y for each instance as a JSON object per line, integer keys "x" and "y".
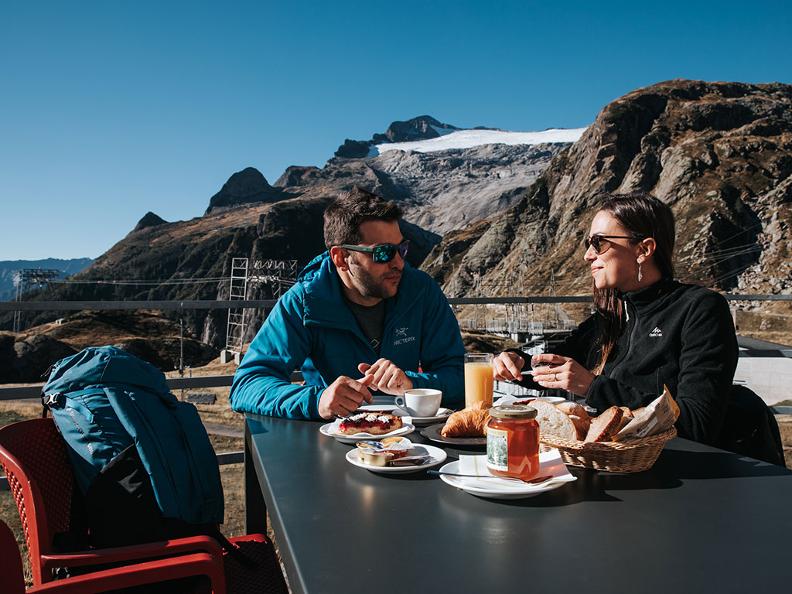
{"x": 255, "y": 507}
{"x": 181, "y": 345}
{"x": 17, "y": 313}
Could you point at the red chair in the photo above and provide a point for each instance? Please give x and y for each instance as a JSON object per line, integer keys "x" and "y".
{"x": 12, "y": 580}
{"x": 40, "y": 477}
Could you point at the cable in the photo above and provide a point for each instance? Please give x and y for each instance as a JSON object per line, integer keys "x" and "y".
{"x": 185, "y": 281}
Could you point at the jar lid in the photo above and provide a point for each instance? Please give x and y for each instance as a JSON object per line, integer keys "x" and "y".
{"x": 513, "y": 411}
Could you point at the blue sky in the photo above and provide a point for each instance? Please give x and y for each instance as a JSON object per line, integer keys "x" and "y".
{"x": 110, "y": 109}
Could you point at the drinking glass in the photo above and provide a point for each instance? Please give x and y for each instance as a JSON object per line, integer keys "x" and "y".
{"x": 479, "y": 379}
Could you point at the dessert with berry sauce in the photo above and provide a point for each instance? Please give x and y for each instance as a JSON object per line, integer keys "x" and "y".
{"x": 373, "y": 423}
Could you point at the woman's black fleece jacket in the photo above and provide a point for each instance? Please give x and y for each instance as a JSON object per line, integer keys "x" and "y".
{"x": 675, "y": 334}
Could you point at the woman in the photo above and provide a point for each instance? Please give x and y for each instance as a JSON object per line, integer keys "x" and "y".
{"x": 648, "y": 329}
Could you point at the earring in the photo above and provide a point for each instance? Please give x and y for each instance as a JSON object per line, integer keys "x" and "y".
{"x": 640, "y": 276}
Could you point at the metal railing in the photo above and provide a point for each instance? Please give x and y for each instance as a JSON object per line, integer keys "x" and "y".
{"x": 130, "y": 305}
{"x": 33, "y": 391}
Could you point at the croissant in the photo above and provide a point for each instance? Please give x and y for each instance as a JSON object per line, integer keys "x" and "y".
{"x": 470, "y": 422}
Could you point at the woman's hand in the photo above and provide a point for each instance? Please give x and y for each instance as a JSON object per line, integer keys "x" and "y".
{"x": 507, "y": 366}
{"x": 562, "y": 373}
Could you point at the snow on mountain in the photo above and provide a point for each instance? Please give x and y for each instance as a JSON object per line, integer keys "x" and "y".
{"x": 461, "y": 139}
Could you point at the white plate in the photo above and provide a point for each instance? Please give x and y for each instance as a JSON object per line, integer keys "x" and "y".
{"x": 327, "y": 429}
{"x": 496, "y": 488}
{"x": 438, "y": 457}
{"x": 442, "y": 415}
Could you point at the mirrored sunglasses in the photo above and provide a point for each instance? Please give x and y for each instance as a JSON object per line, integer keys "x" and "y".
{"x": 382, "y": 252}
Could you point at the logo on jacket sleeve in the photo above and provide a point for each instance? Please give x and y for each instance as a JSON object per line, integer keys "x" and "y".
{"x": 656, "y": 333}
{"x": 400, "y": 336}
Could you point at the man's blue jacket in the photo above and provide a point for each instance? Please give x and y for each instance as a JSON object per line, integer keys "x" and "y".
{"x": 312, "y": 328}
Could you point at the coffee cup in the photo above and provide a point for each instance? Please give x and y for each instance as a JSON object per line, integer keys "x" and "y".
{"x": 420, "y": 402}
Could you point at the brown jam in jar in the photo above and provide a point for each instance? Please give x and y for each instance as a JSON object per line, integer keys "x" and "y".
{"x": 513, "y": 441}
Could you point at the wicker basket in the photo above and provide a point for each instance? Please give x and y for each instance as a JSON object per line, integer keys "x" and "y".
{"x": 613, "y": 456}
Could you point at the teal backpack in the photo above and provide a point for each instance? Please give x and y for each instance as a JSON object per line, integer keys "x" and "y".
{"x": 142, "y": 459}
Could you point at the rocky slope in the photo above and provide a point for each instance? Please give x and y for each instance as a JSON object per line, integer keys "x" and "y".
{"x": 148, "y": 335}
{"x": 719, "y": 153}
{"x": 440, "y": 191}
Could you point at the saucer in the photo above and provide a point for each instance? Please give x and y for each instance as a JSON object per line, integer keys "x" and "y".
{"x": 442, "y": 414}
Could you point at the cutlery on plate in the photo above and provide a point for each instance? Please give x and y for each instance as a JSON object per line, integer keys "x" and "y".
{"x": 410, "y": 460}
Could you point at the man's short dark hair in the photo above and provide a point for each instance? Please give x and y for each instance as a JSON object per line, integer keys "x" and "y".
{"x": 342, "y": 219}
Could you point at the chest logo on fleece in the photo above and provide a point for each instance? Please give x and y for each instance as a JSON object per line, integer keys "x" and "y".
{"x": 656, "y": 333}
{"x": 400, "y": 335}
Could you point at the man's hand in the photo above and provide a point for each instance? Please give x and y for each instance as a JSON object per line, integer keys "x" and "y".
{"x": 507, "y": 366}
{"x": 344, "y": 396}
{"x": 562, "y": 373}
{"x": 386, "y": 377}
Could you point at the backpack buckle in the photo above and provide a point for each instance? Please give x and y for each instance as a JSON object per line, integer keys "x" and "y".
{"x": 53, "y": 400}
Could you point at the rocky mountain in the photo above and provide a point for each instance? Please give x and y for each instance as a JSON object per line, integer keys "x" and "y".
{"x": 441, "y": 190}
{"x": 720, "y": 154}
{"x": 245, "y": 187}
{"x": 421, "y": 128}
{"x": 9, "y": 267}
{"x": 149, "y": 219}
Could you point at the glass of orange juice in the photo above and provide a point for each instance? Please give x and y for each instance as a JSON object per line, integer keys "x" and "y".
{"x": 478, "y": 379}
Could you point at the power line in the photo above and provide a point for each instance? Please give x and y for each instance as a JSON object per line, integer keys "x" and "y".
{"x": 171, "y": 281}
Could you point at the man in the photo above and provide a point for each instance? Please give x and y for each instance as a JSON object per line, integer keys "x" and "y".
{"x": 359, "y": 319}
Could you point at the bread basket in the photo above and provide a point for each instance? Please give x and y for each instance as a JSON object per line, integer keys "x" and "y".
{"x": 613, "y": 456}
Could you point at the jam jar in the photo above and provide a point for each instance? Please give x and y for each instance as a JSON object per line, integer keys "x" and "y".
{"x": 513, "y": 441}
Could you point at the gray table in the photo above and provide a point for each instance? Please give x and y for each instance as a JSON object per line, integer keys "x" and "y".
{"x": 702, "y": 520}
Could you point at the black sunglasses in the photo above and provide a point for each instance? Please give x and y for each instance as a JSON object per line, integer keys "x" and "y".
{"x": 601, "y": 243}
{"x": 382, "y": 252}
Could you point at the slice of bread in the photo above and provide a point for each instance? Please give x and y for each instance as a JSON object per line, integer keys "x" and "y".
{"x": 554, "y": 422}
{"x": 582, "y": 425}
{"x": 573, "y": 408}
{"x": 627, "y": 416}
{"x": 627, "y": 412}
{"x": 605, "y": 425}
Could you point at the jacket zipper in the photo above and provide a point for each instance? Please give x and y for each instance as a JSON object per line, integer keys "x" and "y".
{"x": 629, "y": 342}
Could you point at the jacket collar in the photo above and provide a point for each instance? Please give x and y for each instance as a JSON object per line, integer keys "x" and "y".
{"x": 645, "y": 298}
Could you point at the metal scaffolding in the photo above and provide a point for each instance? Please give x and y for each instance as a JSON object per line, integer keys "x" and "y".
{"x": 237, "y": 291}
{"x": 278, "y": 275}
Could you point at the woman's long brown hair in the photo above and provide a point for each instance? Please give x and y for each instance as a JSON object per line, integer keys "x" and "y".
{"x": 642, "y": 215}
